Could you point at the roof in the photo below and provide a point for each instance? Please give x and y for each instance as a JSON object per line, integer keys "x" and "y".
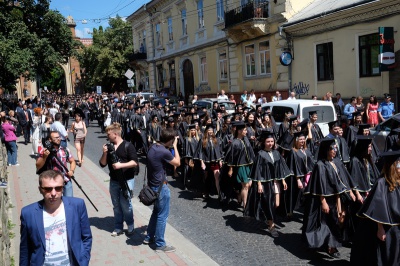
{"x": 319, "y": 8}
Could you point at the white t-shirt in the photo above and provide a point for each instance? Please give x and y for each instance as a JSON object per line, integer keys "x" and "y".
{"x": 223, "y": 97}
{"x": 55, "y": 231}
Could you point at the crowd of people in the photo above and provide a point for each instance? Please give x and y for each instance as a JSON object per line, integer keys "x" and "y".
{"x": 345, "y": 187}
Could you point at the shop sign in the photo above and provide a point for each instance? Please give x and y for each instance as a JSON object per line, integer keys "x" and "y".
{"x": 386, "y": 57}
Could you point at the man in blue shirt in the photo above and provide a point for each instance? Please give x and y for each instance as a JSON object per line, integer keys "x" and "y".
{"x": 386, "y": 109}
{"x": 350, "y": 108}
{"x": 158, "y": 158}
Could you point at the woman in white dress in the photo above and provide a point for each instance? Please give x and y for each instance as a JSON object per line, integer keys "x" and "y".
{"x": 107, "y": 115}
{"x": 36, "y": 123}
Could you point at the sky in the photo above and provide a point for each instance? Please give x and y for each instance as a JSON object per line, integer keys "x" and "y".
{"x": 95, "y": 12}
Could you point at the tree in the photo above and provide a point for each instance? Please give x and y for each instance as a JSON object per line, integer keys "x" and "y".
{"x": 33, "y": 40}
{"x": 106, "y": 61}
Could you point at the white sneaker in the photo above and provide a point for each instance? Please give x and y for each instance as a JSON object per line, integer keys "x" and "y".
{"x": 117, "y": 232}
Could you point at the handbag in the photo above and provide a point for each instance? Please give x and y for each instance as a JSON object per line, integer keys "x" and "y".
{"x": 147, "y": 196}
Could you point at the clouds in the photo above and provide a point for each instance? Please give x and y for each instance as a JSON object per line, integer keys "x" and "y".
{"x": 79, "y": 33}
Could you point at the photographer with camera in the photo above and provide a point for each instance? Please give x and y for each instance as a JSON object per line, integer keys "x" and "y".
{"x": 51, "y": 158}
{"x": 122, "y": 160}
{"x": 158, "y": 159}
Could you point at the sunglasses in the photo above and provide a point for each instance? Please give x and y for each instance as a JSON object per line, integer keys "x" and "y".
{"x": 50, "y": 189}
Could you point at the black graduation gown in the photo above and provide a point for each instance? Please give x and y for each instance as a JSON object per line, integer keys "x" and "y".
{"x": 239, "y": 153}
{"x": 375, "y": 150}
{"x": 192, "y": 178}
{"x": 350, "y": 135}
{"x": 154, "y": 132}
{"x": 380, "y": 206}
{"x": 321, "y": 229}
{"x": 317, "y": 135}
{"x": 286, "y": 141}
{"x": 300, "y": 163}
{"x": 211, "y": 153}
{"x": 281, "y": 131}
{"x": 251, "y": 133}
{"x": 262, "y": 207}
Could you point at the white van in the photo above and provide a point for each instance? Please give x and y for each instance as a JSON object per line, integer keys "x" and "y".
{"x": 325, "y": 111}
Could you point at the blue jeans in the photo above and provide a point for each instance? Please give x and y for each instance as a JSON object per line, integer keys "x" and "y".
{"x": 68, "y": 191}
{"x": 11, "y": 147}
{"x": 122, "y": 207}
{"x": 158, "y": 219}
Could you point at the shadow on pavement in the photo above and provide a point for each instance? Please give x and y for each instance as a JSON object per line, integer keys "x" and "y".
{"x": 292, "y": 243}
{"x": 244, "y": 224}
{"x": 103, "y": 223}
{"x": 137, "y": 238}
{"x": 101, "y": 137}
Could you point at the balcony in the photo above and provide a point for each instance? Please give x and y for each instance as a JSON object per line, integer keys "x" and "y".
{"x": 138, "y": 61}
{"x": 138, "y": 56}
{"x": 247, "y": 21}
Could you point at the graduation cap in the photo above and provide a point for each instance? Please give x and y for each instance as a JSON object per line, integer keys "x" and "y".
{"x": 303, "y": 124}
{"x": 146, "y": 102}
{"x": 176, "y": 114}
{"x": 292, "y": 118}
{"x": 136, "y": 107}
{"x": 191, "y": 126}
{"x": 324, "y": 146}
{"x": 300, "y": 133}
{"x": 361, "y": 128}
{"x": 333, "y": 124}
{"x": 240, "y": 125}
{"x": 221, "y": 105}
{"x": 166, "y": 98}
{"x": 362, "y": 144}
{"x": 208, "y": 126}
{"x": 170, "y": 119}
{"x": 311, "y": 113}
{"x": 357, "y": 113}
{"x": 390, "y": 157}
{"x": 165, "y": 118}
{"x": 219, "y": 111}
{"x": 201, "y": 114}
{"x": 265, "y": 134}
{"x": 196, "y": 120}
{"x": 156, "y": 103}
{"x": 258, "y": 105}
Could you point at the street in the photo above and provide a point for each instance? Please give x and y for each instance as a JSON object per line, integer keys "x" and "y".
{"x": 225, "y": 235}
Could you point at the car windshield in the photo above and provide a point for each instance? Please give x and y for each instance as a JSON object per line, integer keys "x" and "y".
{"x": 325, "y": 113}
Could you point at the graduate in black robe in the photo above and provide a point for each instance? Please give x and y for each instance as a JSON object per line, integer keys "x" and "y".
{"x": 192, "y": 166}
{"x": 392, "y": 140}
{"x": 239, "y": 158}
{"x": 301, "y": 162}
{"x": 316, "y": 133}
{"x": 154, "y": 130}
{"x": 363, "y": 130}
{"x": 343, "y": 150}
{"x": 209, "y": 152}
{"x": 268, "y": 175}
{"x": 328, "y": 195}
{"x": 286, "y": 141}
{"x": 351, "y": 131}
{"x": 377, "y": 238}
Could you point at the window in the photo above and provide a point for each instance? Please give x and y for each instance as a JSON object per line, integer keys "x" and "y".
{"x": 158, "y": 35}
{"x": 184, "y": 22}
{"x": 265, "y": 61}
{"x": 200, "y": 15}
{"x": 250, "y": 61}
{"x": 369, "y": 51}
{"x": 220, "y": 10}
{"x": 223, "y": 66}
{"x": 170, "y": 32}
{"x": 325, "y": 61}
{"x": 144, "y": 40}
{"x": 203, "y": 69}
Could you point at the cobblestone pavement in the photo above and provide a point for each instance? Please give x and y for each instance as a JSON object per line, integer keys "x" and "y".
{"x": 224, "y": 234}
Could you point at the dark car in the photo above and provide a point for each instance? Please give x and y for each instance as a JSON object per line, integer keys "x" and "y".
{"x": 381, "y": 131}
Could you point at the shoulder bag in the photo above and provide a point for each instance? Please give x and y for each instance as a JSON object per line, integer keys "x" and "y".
{"x": 147, "y": 196}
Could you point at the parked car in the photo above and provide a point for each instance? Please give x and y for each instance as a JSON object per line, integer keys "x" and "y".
{"x": 382, "y": 130}
{"x": 148, "y": 96}
{"x": 208, "y": 104}
{"x": 325, "y": 111}
{"x": 161, "y": 99}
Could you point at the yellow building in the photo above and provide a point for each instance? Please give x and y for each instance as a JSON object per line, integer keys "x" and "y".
{"x": 336, "y": 48}
{"x": 205, "y": 46}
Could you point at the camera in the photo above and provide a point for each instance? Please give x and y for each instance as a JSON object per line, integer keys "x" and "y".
{"x": 111, "y": 151}
{"x": 49, "y": 146}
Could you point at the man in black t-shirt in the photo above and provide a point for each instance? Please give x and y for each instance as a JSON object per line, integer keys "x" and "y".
{"x": 128, "y": 159}
{"x": 158, "y": 158}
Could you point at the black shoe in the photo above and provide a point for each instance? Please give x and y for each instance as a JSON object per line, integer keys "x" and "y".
{"x": 334, "y": 253}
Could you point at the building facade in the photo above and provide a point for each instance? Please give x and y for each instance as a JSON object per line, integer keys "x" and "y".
{"x": 205, "y": 46}
{"x": 336, "y": 48}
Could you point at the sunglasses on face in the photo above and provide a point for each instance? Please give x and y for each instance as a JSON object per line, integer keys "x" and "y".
{"x": 50, "y": 189}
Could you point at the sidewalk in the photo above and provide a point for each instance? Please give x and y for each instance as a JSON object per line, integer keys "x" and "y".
{"x": 106, "y": 250}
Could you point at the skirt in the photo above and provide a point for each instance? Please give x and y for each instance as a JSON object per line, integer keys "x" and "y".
{"x": 243, "y": 174}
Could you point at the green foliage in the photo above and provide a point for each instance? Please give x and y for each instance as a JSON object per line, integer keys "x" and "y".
{"x": 106, "y": 61}
{"x": 33, "y": 40}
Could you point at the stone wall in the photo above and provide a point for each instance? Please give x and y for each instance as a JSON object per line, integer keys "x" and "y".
{"x": 5, "y": 230}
